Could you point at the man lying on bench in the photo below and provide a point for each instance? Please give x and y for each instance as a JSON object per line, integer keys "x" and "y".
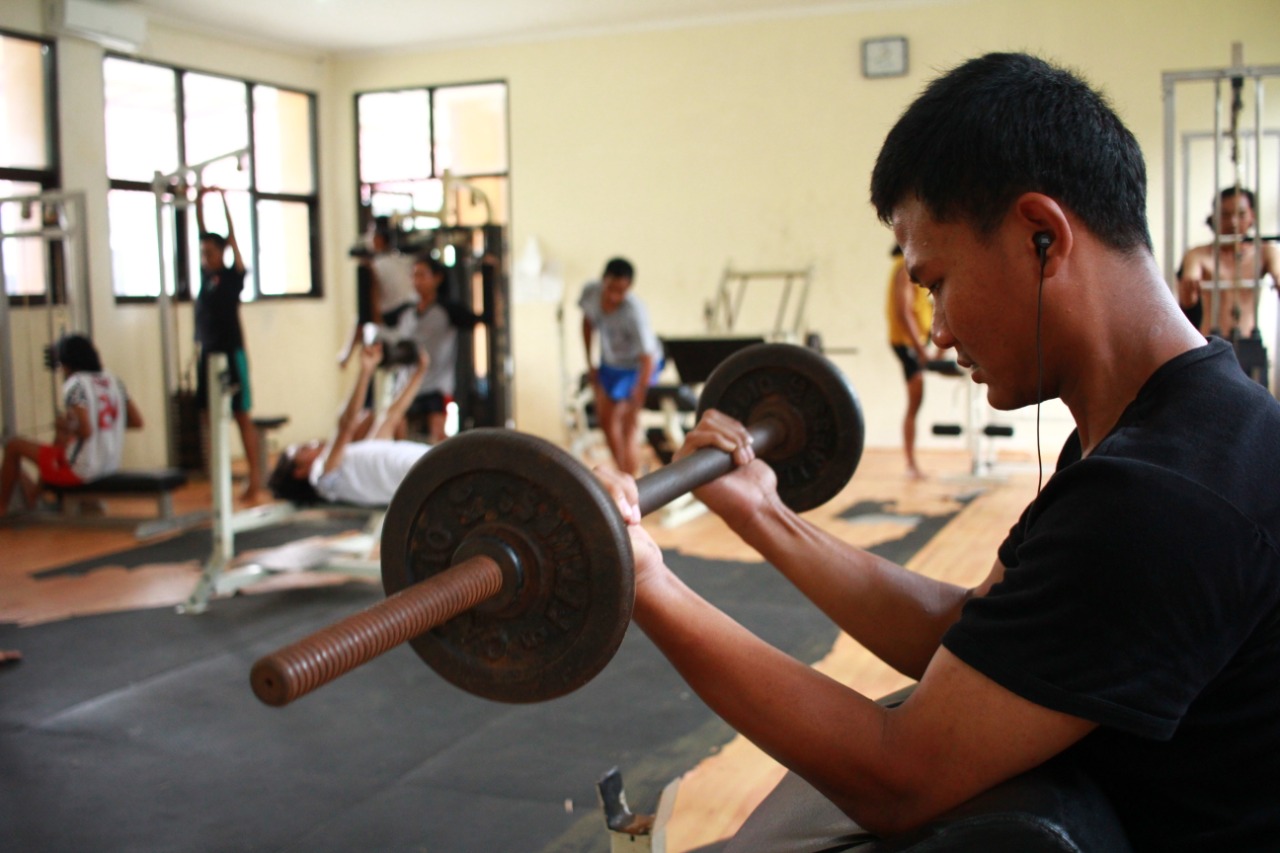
{"x": 88, "y": 434}
{"x": 361, "y": 463}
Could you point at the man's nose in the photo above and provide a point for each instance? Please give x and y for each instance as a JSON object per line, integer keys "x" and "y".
{"x": 939, "y": 332}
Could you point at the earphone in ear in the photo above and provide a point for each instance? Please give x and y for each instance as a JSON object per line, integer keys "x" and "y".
{"x": 1043, "y": 240}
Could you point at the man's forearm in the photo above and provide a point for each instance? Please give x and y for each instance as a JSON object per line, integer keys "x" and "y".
{"x": 788, "y": 709}
{"x": 898, "y": 615}
{"x": 355, "y": 403}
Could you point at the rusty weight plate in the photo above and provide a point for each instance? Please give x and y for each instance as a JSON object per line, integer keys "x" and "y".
{"x": 553, "y": 630}
{"x": 814, "y": 470}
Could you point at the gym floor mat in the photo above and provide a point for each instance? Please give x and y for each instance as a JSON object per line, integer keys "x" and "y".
{"x": 138, "y": 731}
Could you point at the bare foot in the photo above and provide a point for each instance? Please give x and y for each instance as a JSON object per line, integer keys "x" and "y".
{"x": 10, "y": 655}
{"x": 253, "y": 497}
{"x": 914, "y": 473}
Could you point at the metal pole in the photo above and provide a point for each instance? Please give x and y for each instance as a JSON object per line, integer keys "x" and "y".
{"x": 167, "y": 342}
{"x": 1257, "y": 199}
{"x": 1170, "y": 212}
{"x": 9, "y": 415}
{"x": 48, "y": 303}
{"x": 1214, "y": 328}
{"x": 68, "y": 229}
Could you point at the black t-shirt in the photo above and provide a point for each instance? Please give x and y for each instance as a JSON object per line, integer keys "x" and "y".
{"x": 218, "y": 311}
{"x": 1142, "y": 592}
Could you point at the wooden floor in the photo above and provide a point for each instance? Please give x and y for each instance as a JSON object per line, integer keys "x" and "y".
{"x": 714, "y": 796}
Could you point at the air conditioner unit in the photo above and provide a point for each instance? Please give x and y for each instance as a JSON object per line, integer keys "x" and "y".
{"x": 117, "y": 26}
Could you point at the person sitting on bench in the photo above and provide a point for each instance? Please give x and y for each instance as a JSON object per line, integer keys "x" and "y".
{"x": 88, "y": 435}
{"x": 362, "y": 463}
{"x": 1131, "y": 617}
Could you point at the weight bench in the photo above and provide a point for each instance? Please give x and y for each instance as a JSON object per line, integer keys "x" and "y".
{"x": 266, "y": 425}
{"x": 219, "y": 577}
{"x": 159, "y": 484}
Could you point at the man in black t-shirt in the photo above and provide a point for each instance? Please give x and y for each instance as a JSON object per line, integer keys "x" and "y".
{"x": 217, "y": 322}
{"x": 1132, "y": 616}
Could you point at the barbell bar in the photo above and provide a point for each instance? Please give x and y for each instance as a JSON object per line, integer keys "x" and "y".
{"x": 509, "y": 569}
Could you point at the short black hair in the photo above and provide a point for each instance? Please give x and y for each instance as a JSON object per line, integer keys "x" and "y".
{"x": 431, "y": 261}
{"x": 1231, "y": 192}
{"x": 1226, "y": 193}
{"x": 288, "y": 486}
{"x": 1004, "y": 124}
{"x": 620, "y": 268}
{"x": 77, "y": 353}
{"x": 217, "y": 239}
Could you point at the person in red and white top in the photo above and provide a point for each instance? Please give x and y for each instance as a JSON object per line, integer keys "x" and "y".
{"x": 88, "y": 434}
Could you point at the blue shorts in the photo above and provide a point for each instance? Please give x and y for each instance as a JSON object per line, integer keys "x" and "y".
{"x": 620, "y": 382}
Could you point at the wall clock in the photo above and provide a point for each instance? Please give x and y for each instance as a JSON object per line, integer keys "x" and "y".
{"x": 884, "y": 57}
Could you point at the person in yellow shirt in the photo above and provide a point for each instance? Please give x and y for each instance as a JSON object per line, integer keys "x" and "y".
{"x": 910, "y": 319}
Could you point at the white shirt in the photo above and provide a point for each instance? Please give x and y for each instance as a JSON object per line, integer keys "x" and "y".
{"x": 369, "y": 472}
{"x": 625, "y": 332}
{"x": 432, "y": 332}
{"x": 393, "y": 276}
{"x": 105, "y": 399}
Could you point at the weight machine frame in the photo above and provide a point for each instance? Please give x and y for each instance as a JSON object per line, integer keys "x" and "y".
{"x": 70, "y": 231}
{"x": 724, "y": 309}
{"x": 172, "y": 191}
{"x": 1236, "y": 74}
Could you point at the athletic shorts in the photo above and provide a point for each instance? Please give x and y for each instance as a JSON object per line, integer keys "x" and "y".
{"x": 910, "y": 361}
{"x": 237, "y": 374}
{"x": 430, "y": 403}
{"x": 619, "y": 382}
{"x": 55, "y": 468}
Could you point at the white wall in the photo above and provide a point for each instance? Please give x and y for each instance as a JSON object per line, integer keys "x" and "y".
{"x": 753, "y": 143}
{"x": 684, "y": 150}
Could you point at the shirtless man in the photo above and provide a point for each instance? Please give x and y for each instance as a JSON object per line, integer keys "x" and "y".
{"x": 1236, "y": 263}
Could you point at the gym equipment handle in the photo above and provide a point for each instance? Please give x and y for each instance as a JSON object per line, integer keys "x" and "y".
{"x": 661, "y": 487}
{"x": 299, "y": 668}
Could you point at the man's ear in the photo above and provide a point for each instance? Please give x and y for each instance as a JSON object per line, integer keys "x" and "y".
{"x": 1047, "y": 227}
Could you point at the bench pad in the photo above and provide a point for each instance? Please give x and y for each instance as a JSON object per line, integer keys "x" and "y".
{"x": 130, "y": 482}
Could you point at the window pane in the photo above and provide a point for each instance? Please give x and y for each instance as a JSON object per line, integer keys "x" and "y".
{"x": 282, "y": 141}
{"x": 217, "y": 123}
{"x": 141, "y": 120}
{"x": 24, "y": 257}
{"x": 135, "y": 260}
{"x": 394, "y": 135}
{"x": 488, "y": 205}
{"x": 285, "y": 249}
{"x": 471, "y": 129}
{"x": 23, "y": 125}
{"x": 419, "y": 200}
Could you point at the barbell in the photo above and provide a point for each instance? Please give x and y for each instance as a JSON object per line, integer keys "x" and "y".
{"x": 507, "y": 565}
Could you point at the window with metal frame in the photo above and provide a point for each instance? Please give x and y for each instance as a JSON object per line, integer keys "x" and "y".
{"x": 28, "y": 166}
{"x": 413, "y": 143}
{"x": 171, "y": 131}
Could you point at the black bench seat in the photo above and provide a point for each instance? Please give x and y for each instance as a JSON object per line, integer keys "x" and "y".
{"x": 150, "y": 482}
{"x": 158, "y": 483}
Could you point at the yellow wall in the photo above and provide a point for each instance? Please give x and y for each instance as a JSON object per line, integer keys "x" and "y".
{"x": 684, "y": 149}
